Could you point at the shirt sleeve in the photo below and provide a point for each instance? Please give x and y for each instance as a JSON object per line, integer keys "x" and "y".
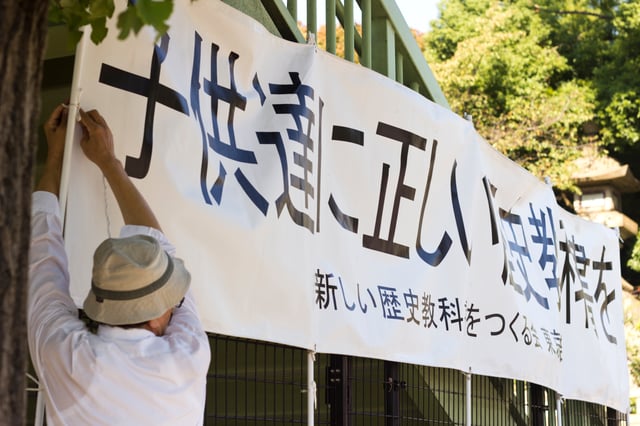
{"x": 130, "y": 230}
{"x": 51, "y": 312}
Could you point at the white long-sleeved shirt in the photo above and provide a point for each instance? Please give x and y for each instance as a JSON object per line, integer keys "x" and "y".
{"x": 117, "y": 376}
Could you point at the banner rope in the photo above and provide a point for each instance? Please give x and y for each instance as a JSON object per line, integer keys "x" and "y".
{"x": 106, "y": 206}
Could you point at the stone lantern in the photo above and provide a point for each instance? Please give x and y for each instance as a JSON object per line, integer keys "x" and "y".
{"x": 603, "y": 181}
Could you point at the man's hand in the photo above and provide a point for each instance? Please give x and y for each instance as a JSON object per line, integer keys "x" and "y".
{"x": 97, "y": 145}
{"x": 97, "y": 140}
{"x": 55, "y": 130}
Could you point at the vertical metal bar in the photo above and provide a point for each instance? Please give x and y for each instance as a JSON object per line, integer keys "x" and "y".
{"x": 486, "y": 389}
{"x": 490, "y": 392}
{"x": 312, "y": 17}
{"x": 311, "y": 387}
{"x": 303, "y": 363}
{"x": 365, "y": 54}
{"x": 537, "y": 404}
{"x": 225, "y": 376}
{"x": 235, "y": 376}
{"x": 399, "y": 68}
{"x": 374, "y": 371}
{"x": 344, "y": 391}
{"x": 483, "y": 389}
{"x": 331, "y": 26}
{"x": 383, "y": 37}
{"x": 279, "y": 365}
{"x": 285, "y": 352}
{"x": 391, "y": 400}
{"x": 420, "y": 390}
{"x": 272, "y": 380}
{"x": 295, "y": 379}
{"x": 559, "y": 409}
{"x": 467, "y": 404}
{"x": 292, "y": 5}
{"x": 449, "y": 376}
{"x": 349, "y": 36}
{"x": 399, "y": 378}
{"x": 266, "y": 383}
{"x": 255, "y": 380}
{"x": 39, "y": 416}
{"x": 213, "y": 367}
{"x": 445, "y": 401}
{"x": 612, "y": 416}
{"x": 337, "y": 384}
{"x": 246, "y": 379}
{"x": 74, "y": 106}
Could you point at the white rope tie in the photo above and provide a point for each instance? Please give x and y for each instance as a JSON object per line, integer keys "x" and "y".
{"x": 106, "y": 206}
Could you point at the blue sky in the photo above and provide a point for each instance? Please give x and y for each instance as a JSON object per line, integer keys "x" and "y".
{"x": 417, "y": 13}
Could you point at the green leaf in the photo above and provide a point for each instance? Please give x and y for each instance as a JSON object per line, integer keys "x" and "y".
{"x": 55, "y": 13}
{"x": 102, "y": 8}
{"x": 74, "y": 4}
{"x": 98, "y": 30}
{"x": 155, "y": 13}
{"x": 129, "y": 20}
{"x": 74, "y": 37}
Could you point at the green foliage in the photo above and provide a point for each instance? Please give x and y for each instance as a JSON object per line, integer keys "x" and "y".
{"x": 601, "y": 41}
{"x": 459, "y": 21}
{"x": 145, "y": 12}
{"x": 621, "y": 119}
{"x": 543, "y": 79}
{"x": 632, "y": 339}
{"x": 504, "y": 71}
{"x": 618, "y": 82}
{"x": 581, "y": 30}
{"x": 76, "y": 14}
{"x": 634, "y": 260}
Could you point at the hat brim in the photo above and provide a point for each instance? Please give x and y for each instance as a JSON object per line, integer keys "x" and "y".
{"x": 142, "y": 309}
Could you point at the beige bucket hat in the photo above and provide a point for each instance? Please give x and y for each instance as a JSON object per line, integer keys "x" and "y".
{"x": 134, "y": 281}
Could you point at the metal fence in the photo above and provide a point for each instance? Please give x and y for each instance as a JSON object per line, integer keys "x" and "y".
{"x": 259, "y": 383}
{"x": 578, "y": 413}
{"x": 380, "y": 24}
{"x": 255, "y": 383}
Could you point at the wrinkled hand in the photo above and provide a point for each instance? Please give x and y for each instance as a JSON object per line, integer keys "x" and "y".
{"x": 55, "y": 130}
{"x": 97, "y": 144}
{"x": 97, "y": 140}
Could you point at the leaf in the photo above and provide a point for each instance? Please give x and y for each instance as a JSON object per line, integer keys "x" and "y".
{"x": 74, "y": 4}
{"x": 55, "y": 13}
{"x": 129, "y": 20}
{"x": 102, "y": 8}
{"x": 98, "y": 30}
{"x": 74, "y": 37}
{"x": 155, "y": 13}
{"x": 77, "y": 13}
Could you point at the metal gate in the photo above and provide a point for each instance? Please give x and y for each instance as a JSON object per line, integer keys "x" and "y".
{"x": 259, "y": 383}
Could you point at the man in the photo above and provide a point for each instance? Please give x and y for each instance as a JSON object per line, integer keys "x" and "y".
{"x": 147, "y": 362}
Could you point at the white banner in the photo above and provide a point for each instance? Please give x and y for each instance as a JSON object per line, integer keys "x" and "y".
{"x": 321, "y": 205}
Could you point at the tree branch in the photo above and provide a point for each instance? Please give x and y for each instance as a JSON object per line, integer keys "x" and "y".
{"x": 538, "y": 8}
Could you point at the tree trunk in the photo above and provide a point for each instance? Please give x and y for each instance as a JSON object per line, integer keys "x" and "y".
{"x": 23, "y": 29}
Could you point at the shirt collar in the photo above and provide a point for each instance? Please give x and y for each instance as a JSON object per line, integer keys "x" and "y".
{"x": 110, "y": 332}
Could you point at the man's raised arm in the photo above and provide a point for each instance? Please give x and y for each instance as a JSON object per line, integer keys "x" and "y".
{"x": 97, "y": 144}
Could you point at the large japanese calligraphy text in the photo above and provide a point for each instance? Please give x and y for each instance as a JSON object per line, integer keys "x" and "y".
{"x": 321, "y": 205}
